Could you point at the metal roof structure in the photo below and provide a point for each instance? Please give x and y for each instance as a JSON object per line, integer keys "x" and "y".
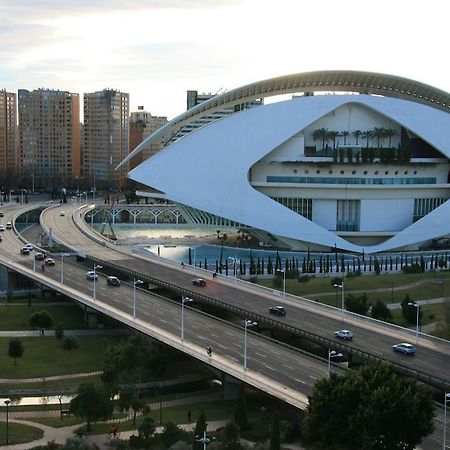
{"x": 307, "y": 82}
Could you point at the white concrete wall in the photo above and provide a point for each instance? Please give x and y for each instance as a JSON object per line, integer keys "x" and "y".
{"x": 386, "y": 214}
{"x": 324, "y": 213}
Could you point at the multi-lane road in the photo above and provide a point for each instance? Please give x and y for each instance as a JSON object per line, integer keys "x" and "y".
{"x": 376, "y": 339}
{"x": 281, "y": 371}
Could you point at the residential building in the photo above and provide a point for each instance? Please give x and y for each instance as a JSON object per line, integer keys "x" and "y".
{"x": 49, "y": 138}
{"x": 105, "y": 138}
{"x": 8, "y": 139}
{"x": 142, "y": 125}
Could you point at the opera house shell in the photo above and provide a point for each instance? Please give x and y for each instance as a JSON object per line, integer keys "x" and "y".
{"x": 354, "y": 161}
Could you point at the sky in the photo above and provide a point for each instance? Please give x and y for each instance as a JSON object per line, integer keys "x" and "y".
{"x": 156, "y": 50}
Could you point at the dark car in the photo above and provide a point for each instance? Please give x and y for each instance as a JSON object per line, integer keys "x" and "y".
{"x": 113, "y": 281}
{"x": 24, "y": 251}
{"x": 277, "y": 310}
{"x": 199, "y": 282}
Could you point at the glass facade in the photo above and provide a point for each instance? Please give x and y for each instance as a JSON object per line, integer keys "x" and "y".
{"x": 423, "y": 206}
{"x": 302, "y": 206}
{"x": 347, "y": 180}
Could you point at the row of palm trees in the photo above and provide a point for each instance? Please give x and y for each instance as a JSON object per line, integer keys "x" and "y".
{"x": 379, "y": 134}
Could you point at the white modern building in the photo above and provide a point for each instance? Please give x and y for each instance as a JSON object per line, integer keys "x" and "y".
{"x": 355, "y": 161}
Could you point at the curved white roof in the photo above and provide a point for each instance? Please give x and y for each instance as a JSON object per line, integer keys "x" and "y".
{"x": 208, "y": 169}
{"x": 330, "y": 80}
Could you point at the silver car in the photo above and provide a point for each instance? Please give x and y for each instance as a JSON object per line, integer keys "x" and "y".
{"x": 405, "y": 348}
{"x": 344, "y": 334}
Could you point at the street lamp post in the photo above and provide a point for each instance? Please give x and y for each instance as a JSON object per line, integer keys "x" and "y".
{"x": 62, "y": 266}
{"x": 184, "y": 300}
{"x": 247, "y": 323}
{"x": 341, "y": 286}
{"x": 417, "y": 306}
{"x": 235, "y": 269}
{"x": 446, "y": 400}
{"x": 204, "y": 440}
{"x": 284, "y": 281}
{"x": 96, "y": 266}
{"x": 332, "y": 354}
{"x": 135, "y": 283}
{"x": 7, "y": 403}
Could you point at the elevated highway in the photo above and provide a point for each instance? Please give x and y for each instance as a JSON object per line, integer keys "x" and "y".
{"x": 373, "y": 339}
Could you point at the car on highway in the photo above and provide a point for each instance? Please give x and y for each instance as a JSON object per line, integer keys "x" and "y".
{"x": 1, "y": 214}
{"x": 49, "y": 262}
{"x": 24, "y": 251}
{"x": 405, "y": 348}
{"x": 62, "y": 213}
{"x": 91, "y": 275}
{"x": 30, "y": 247}
{"x": 39, "y": 256}
{"x": 2, "y": 227}
{"x": 199, "y": 282}
{"x": 113, "y": 281}
{"x": 277, "y": 310}
{"x": 344, "y": 334}
{"x": 8, "y": 225}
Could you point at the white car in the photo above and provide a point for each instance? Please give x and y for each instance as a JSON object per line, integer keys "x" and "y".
{"x": 30, "y": 247}
{"x": 91, "y": 275}
{"x": 344, "y": 334}
{"x": 62, "y": 213}
{"x": 2, "y": 227}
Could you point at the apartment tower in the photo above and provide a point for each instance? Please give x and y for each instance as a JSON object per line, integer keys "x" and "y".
{"x": 8, "y": 139}
{"x": 105, "y": 138}
{"x": 142, "y": 125}
{"x": 49, "y": 138}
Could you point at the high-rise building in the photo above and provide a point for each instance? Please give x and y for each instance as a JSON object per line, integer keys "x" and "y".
{"x": 105, "y": 138}
{"x": 49, "y": 131}
{"x": 8, "y": 138}
{"x": 142, "y": 125}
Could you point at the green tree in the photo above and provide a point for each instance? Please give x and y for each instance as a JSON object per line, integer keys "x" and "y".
{"x": 147, "y": 427}
{"x": 41, "y": 320}
{"x": 275, "y": 434}
{"x": 69, "y": 343}
{"x": 357, "y": 304}
{"x": 15, "y": 349}
{"x": 91, "y": 403}
{"x": 172, "y": 433}
{"x": 59, "y": 331}
{"x": 380, "y": 311}
{"x": 240, "y": 410}
{"x": 372, "y": 408}
{"x": 200, "y": 428}
{"x": 132, "y": 360}
{"x": 230, "y": 436}
{"x": 409, "y": 311}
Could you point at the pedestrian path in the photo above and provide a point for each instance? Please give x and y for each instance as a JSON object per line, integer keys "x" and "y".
{"x": 51, "y": 378}
{"x": 96, "y": 332}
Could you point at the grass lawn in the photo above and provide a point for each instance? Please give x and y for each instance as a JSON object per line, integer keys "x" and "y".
{"x": 18, "y": 433}
{"x": 16, "y": 316}
{"x": 43, "y": 356}
{"x": 216, "y": 410}
{"x": 56, "y": 422}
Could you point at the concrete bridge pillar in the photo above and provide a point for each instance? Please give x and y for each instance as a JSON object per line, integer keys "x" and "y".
{"x": 230, "y": 387}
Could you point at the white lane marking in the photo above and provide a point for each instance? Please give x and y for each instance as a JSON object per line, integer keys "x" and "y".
{"x": 313, "y": 377}
{"x": 300, "y": 381}
{"x": 162, "y": 320}
{"x": 259, "y": 354}
{"x": 288, "y": 367}
{"x": 270, "y": 368}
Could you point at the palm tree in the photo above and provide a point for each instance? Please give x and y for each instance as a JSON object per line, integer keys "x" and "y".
{"x": 357, "y": 134}
{"x": 379, "y": 134}
{"x": 333, "y": 135}
{"x": 367, "y": 136}
{"x": 390, "y": 133}
{"x": 345, "y": 134}
{"x": 321, "y": 133}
